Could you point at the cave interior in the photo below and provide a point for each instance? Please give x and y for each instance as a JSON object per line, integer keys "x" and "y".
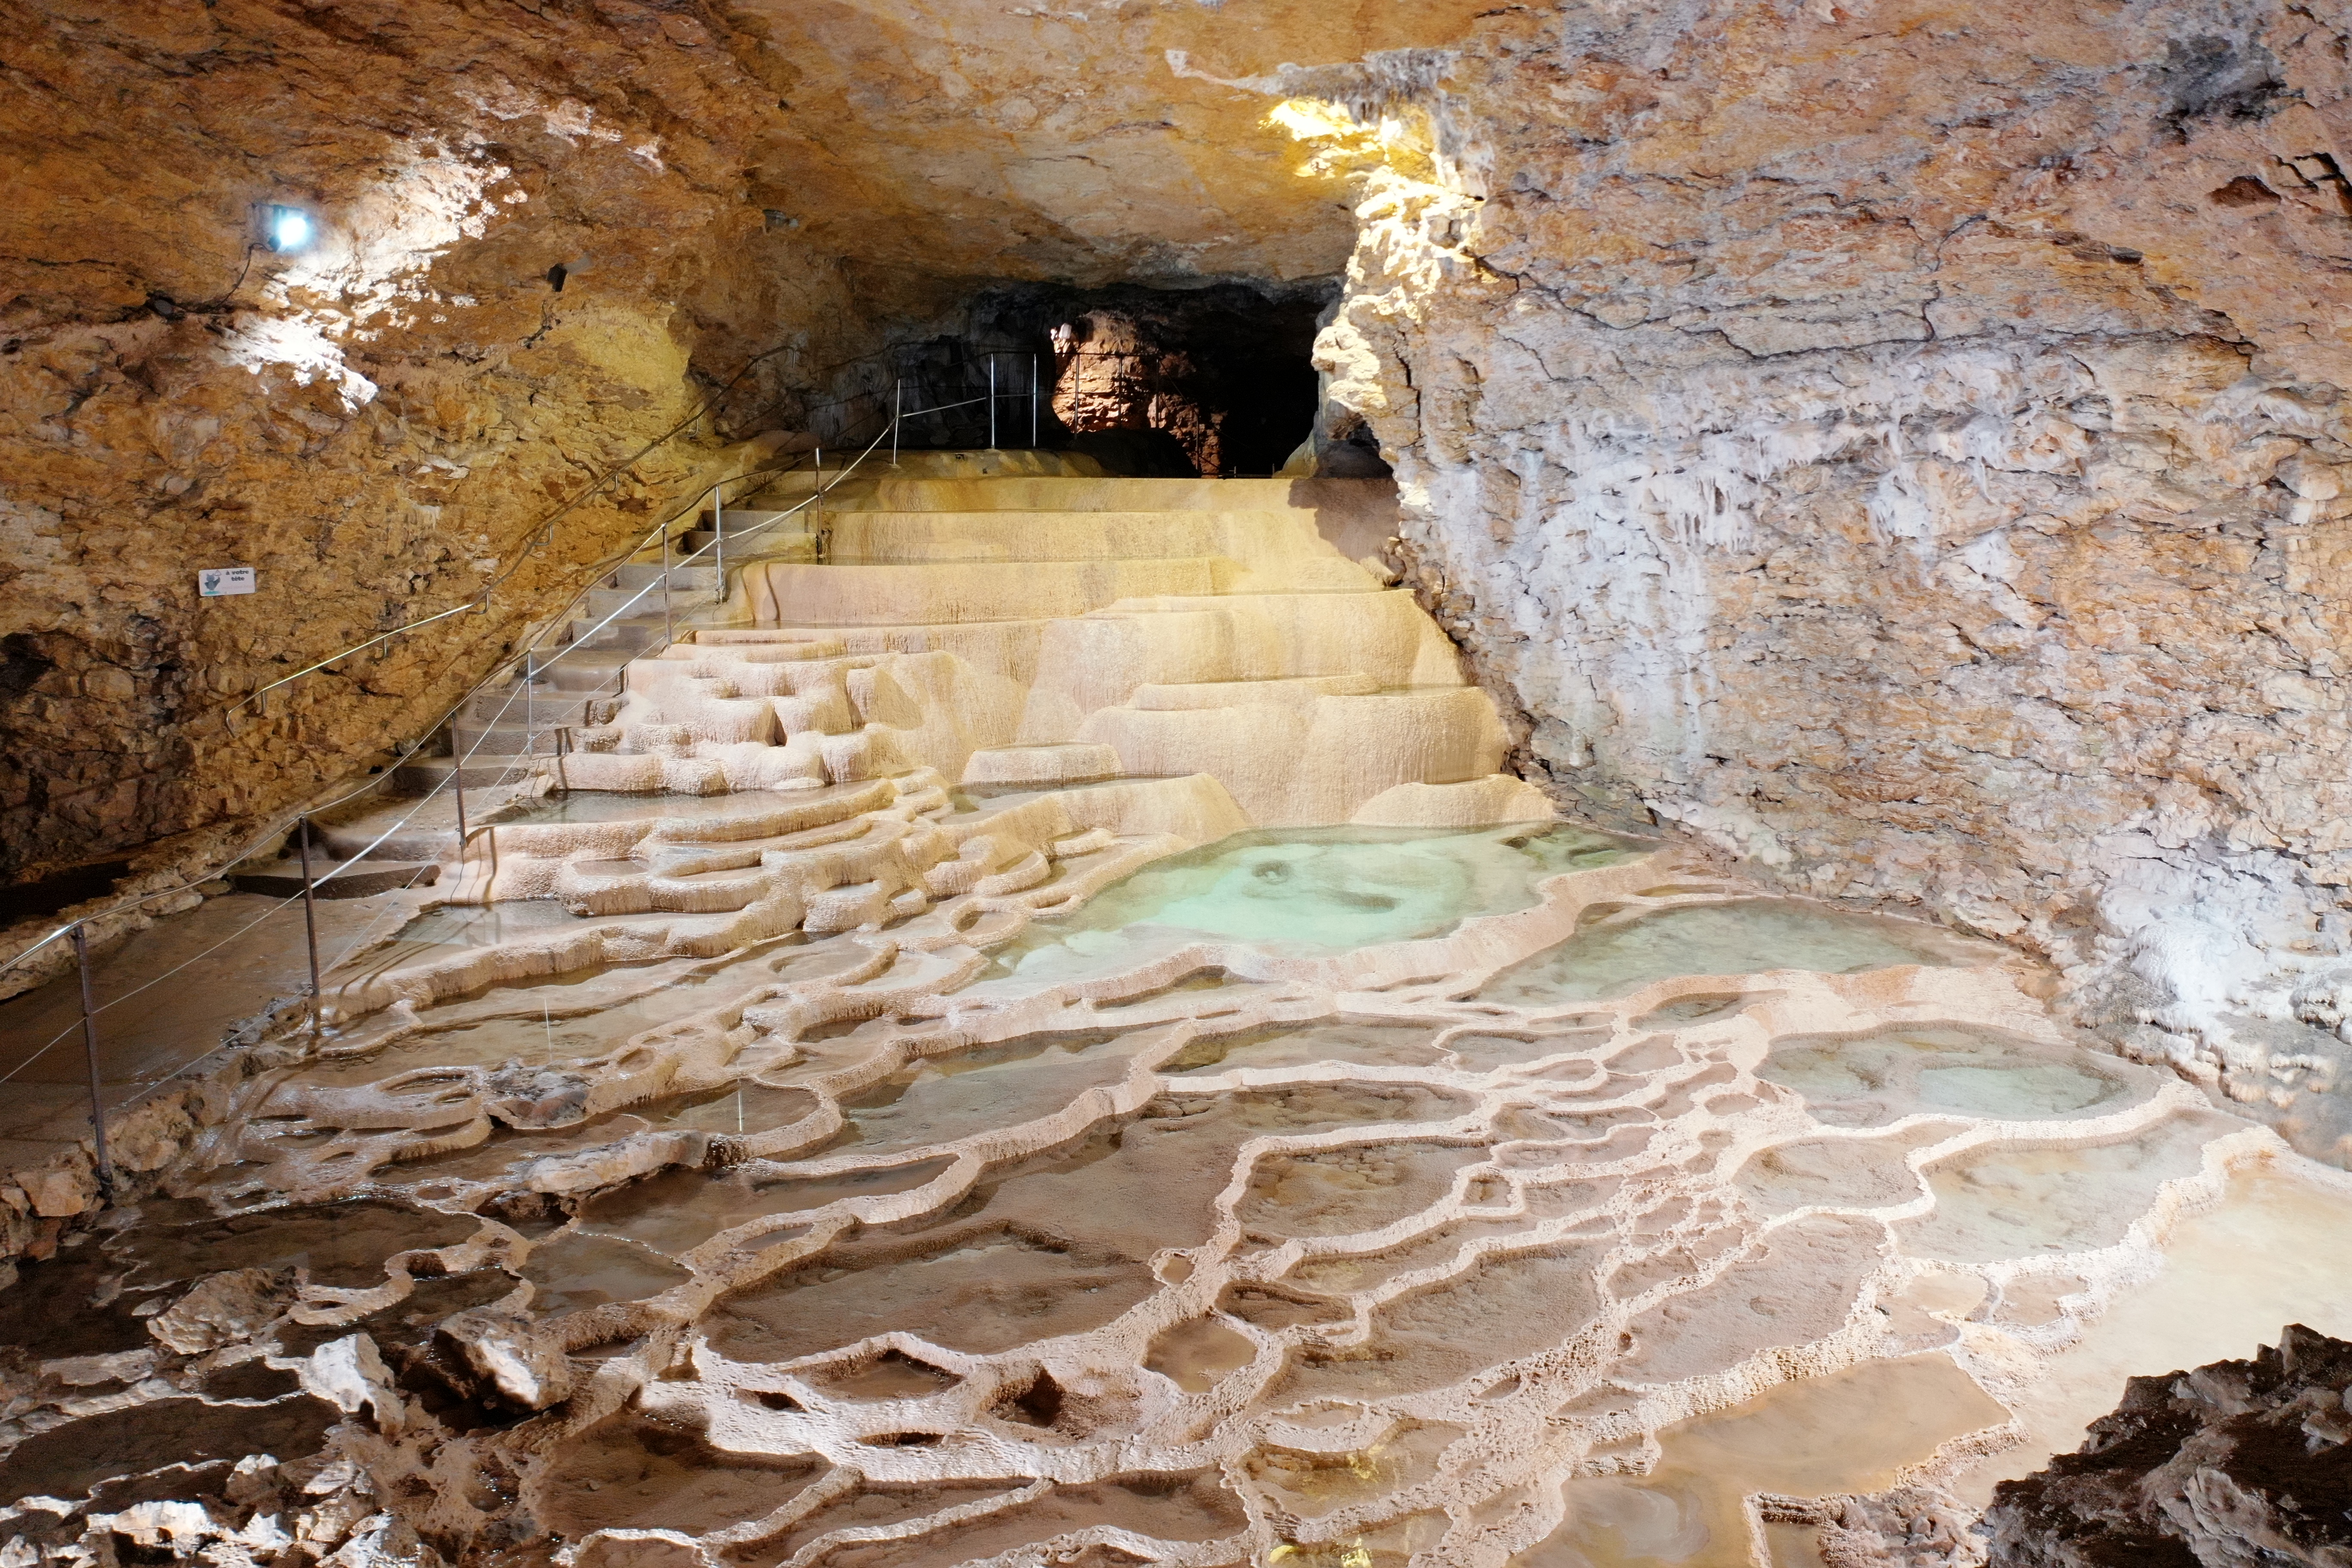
{"x": 903, "y": 784}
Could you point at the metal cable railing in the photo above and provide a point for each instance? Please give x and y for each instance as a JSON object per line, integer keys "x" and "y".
{"x": 527, "y": 660}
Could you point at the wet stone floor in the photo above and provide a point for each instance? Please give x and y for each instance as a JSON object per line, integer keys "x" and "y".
{"x": 1332, "y": 1200}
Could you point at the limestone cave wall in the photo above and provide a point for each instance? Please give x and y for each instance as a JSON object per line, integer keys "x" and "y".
{"x": 1909, "y": 447}
{"x": 1906, "y": 448}
{"x": 542, "y": 244}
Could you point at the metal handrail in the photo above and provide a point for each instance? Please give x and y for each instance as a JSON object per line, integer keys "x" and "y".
{"x": 78, "y": 930}
{"x": 891, "y": 426}
{"x": 505, "y": 668}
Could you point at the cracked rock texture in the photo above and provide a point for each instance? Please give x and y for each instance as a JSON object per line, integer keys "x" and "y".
{"x": 1911, "y": 449}
{"x": 547, "y": 228}
{"x": 537, "y": 252}
{"x": 2239, "y": 1462}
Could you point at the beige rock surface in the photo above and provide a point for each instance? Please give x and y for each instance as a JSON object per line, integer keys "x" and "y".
{"x": 1905, "y": 450}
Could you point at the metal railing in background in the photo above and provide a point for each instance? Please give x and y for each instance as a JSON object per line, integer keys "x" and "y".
{"x": 1008, "y": 382}
{"x": 528, "y": 659}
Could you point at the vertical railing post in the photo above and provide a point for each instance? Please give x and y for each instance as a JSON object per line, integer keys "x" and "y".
{"x": 719, "y": 529}
{"x": 530, "y": 706}
{"x": 1032, "y": 400}
{"x": 90, "y": 1046}
{"x": 669, "y": 631}
{"x": 310, "y": 929}
{"x": 898, "y": 404}
{"x": 457, "y": 778}
{"x": 991, "y": 403}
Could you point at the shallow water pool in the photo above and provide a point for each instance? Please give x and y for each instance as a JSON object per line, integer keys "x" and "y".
{"x": 1316, "y": 890}
{"x": 1614, "y": 952}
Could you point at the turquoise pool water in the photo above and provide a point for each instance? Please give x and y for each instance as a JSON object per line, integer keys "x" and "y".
{"x": 1315, "y": 891}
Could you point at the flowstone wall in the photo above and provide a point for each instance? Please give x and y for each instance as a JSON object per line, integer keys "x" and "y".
{"x": 1908, "y": 449}
{"x": 538, "y": 247}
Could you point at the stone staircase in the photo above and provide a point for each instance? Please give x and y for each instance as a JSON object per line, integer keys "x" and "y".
{"x": 1032, "y": 632}
{"x": 971, "y": 693}
{"x": 579, "y": 685}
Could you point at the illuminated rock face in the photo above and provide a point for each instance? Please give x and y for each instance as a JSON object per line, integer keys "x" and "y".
{"x": 1911, "y": 455}
{"x": 532, "y": 242}
{"x": 542, "y": 236}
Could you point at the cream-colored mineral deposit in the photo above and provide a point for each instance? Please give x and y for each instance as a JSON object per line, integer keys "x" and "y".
{"x": 1248, "y": 786}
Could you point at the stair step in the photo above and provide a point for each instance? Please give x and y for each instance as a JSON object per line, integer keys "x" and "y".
{"x": 496, "y": 703}
{"x": 476, "y": 742}
{"x": 780, "y": 545}
{"x": 624, "y": 636}
{"x": 632, "y": 603}
{"x": 423, "y": 775}
{"x": 594, "y": 670}
{"x": 1071, "y": 762}
{"x": 696, "y": 579}
{"x": 283, "y": 878}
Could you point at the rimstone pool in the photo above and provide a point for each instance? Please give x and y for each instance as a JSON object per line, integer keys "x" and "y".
{"x": 1509, "y": 1196}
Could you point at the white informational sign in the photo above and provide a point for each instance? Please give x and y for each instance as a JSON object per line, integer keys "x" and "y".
{"x": 214, "y": 581}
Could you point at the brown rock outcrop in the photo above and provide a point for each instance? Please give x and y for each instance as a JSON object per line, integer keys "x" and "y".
{"x": 534, "y": 253}
{"x": 2239, "y": 1462}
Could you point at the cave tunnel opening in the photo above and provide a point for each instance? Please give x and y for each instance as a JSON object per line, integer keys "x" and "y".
{"x": 1217, "y": 381}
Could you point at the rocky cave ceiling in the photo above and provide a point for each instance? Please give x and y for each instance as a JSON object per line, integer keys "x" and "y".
{"x": 1114, "y": 142}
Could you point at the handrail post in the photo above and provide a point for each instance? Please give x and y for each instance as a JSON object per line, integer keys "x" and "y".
{"x": 311, "y": 928}
{"x": 897, "y": 401}
{"x": 1032, "y": 400}
{"x": 669, "y": 631}
{"x": 90, "y": 1046}
{"x": 719, "y": 529}
{"x": 529, "y": 706}
{"x": 991, "y": 403}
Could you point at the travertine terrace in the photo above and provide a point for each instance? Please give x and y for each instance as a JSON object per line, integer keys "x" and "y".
{"x": 1423, "y": 786}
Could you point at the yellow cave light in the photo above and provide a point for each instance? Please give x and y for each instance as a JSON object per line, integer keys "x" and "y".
{"x": 1402, "y": 140}
{"x": 1312, "y": 118}
{"x": 1354, "y": 1555}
